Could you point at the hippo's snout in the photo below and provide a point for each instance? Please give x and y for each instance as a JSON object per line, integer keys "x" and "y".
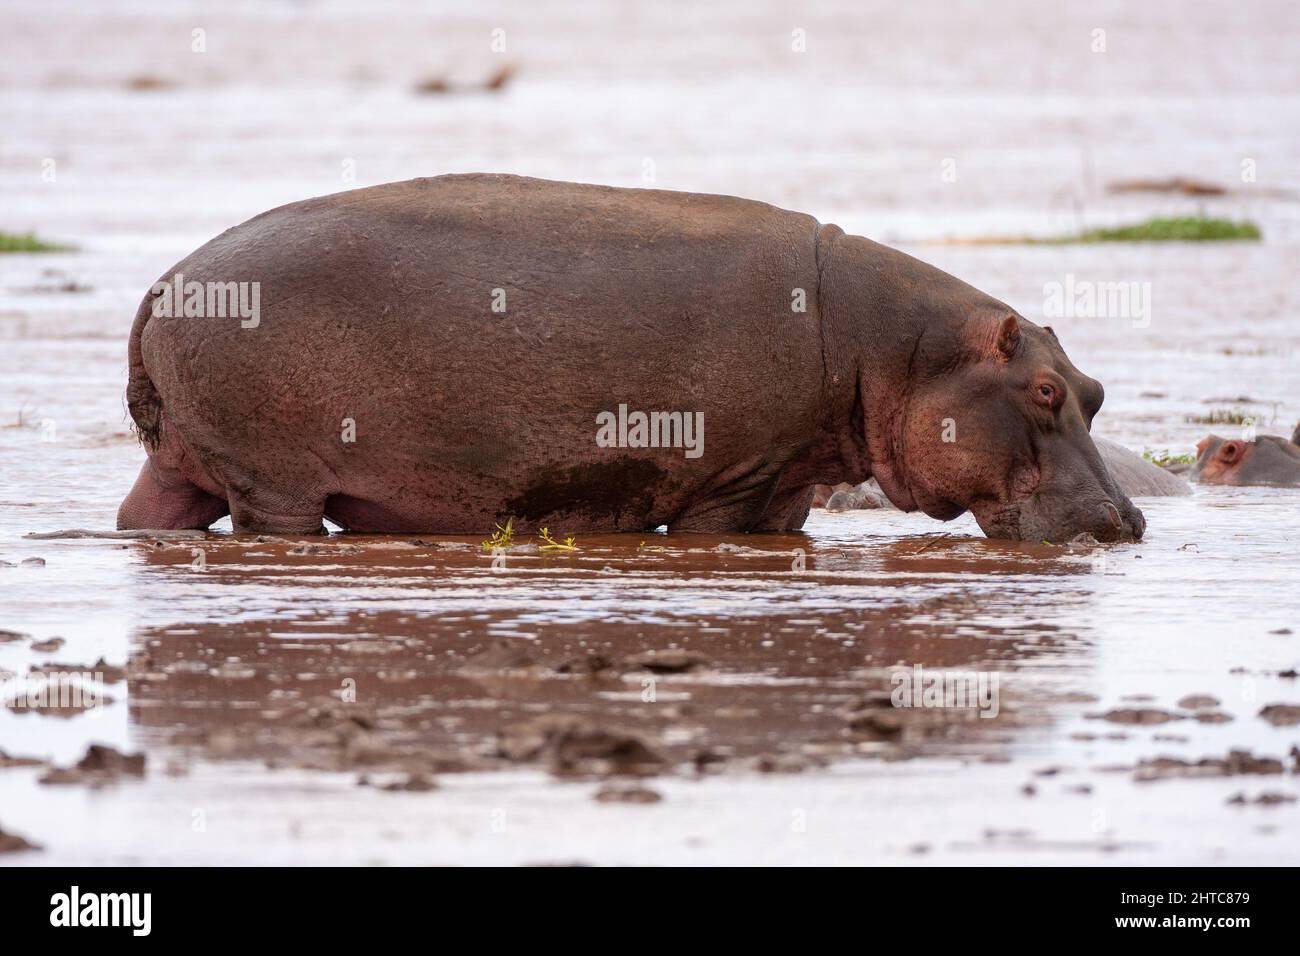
{"x": 1081, "y": 497}
{"x": 1049, "y": 518}
{"x": 1126, "y": 524}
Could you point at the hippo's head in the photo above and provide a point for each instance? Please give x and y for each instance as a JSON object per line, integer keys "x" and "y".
{"x": 1000, "y": 426}
{"x": 1268, "y": 460}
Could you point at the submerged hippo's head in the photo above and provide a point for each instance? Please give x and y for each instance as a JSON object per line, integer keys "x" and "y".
{"x": 1268, "y": 460}
{"x": 997, "y": 421}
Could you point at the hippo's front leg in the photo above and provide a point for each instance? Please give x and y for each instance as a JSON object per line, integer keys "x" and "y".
{"x": 787, "y": 511}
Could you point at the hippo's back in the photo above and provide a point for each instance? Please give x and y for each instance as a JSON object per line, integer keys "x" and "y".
{"x": 1136, "y": 476}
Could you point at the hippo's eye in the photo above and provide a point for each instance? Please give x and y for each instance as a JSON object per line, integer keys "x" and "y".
{"x": 1047, "y": 391}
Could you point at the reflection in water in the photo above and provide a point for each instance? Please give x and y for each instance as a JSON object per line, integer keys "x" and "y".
{"x": 441, "y": 654}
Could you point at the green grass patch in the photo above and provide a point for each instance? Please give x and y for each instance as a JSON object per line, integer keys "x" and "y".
{"x": 1219, "y": 416}
{"x": 1164, "y": 459}
{"x": 1180, "y": 229}
{"x": 27, "y": 242}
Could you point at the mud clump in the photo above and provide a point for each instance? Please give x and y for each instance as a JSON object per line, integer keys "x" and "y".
{"x": 13, "y": 843}
{"x": 411, "y": 783}
{"x": 326, "y": 549}
{"x": 7, "y": 761}
{"x": 709, "y": 760}
{"x": 1270, "y": 798}
{"x": 102, "y": 765}
{"x": 624, "y": 794}
{"x": 1137, "y": 715}
{"x": 331, "y": 715}
{"x": 586, "y": 665}
{"x": 60, "y": 693}
{"x": 874, "y": 721}
{"x": 338, "y": 736}
{"x": 104, "y": 671}
{"x": 1238, "y": 762}
{"x": 875, "y": 718}
{"x": 787, "y": 763}
{"x": 572, "y": 746}
{"x": 501, "y": 656}
{"x": 1281, "y": 715}
{"x": 667, "y": 661}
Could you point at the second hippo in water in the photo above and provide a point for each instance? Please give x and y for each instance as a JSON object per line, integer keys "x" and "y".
{"x": 1135, "y": 476}
{"x": 1268, "y": 460}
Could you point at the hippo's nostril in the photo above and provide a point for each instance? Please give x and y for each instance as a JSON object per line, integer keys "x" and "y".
{"x": 1112, "y": 514}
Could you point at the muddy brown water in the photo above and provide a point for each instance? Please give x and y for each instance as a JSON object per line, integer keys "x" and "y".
{"x": 279, "y": 690}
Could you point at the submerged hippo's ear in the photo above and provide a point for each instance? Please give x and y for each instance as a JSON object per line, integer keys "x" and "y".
{"x": 1230, "y": 451}
{"x": 1052, "y": 332}
{"x": 1008, "y": 339}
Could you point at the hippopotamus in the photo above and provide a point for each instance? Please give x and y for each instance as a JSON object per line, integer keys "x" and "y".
{"x": 845, "y": 497}
{"x": 1137, "y": 477}
{"x": 444, "y": 354}
{"x": 1268, "y": 460}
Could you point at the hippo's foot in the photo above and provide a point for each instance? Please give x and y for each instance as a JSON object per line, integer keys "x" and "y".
{"x": 162, "y": 499}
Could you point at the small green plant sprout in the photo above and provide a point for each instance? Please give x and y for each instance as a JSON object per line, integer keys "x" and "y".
{"x": 569, "y": 544}
{"x": 502, "y": 537}
{"x": 1164, "y": 459}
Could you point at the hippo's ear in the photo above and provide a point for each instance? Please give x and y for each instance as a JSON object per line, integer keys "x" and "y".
{"x": 1008, "y": 340}
{"x": 1230, "y": 451}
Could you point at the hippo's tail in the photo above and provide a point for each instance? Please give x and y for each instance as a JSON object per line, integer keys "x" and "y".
{"x": 142, "y": 399}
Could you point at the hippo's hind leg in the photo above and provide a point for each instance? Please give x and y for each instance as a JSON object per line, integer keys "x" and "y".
{"x": 163, "y": 499}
